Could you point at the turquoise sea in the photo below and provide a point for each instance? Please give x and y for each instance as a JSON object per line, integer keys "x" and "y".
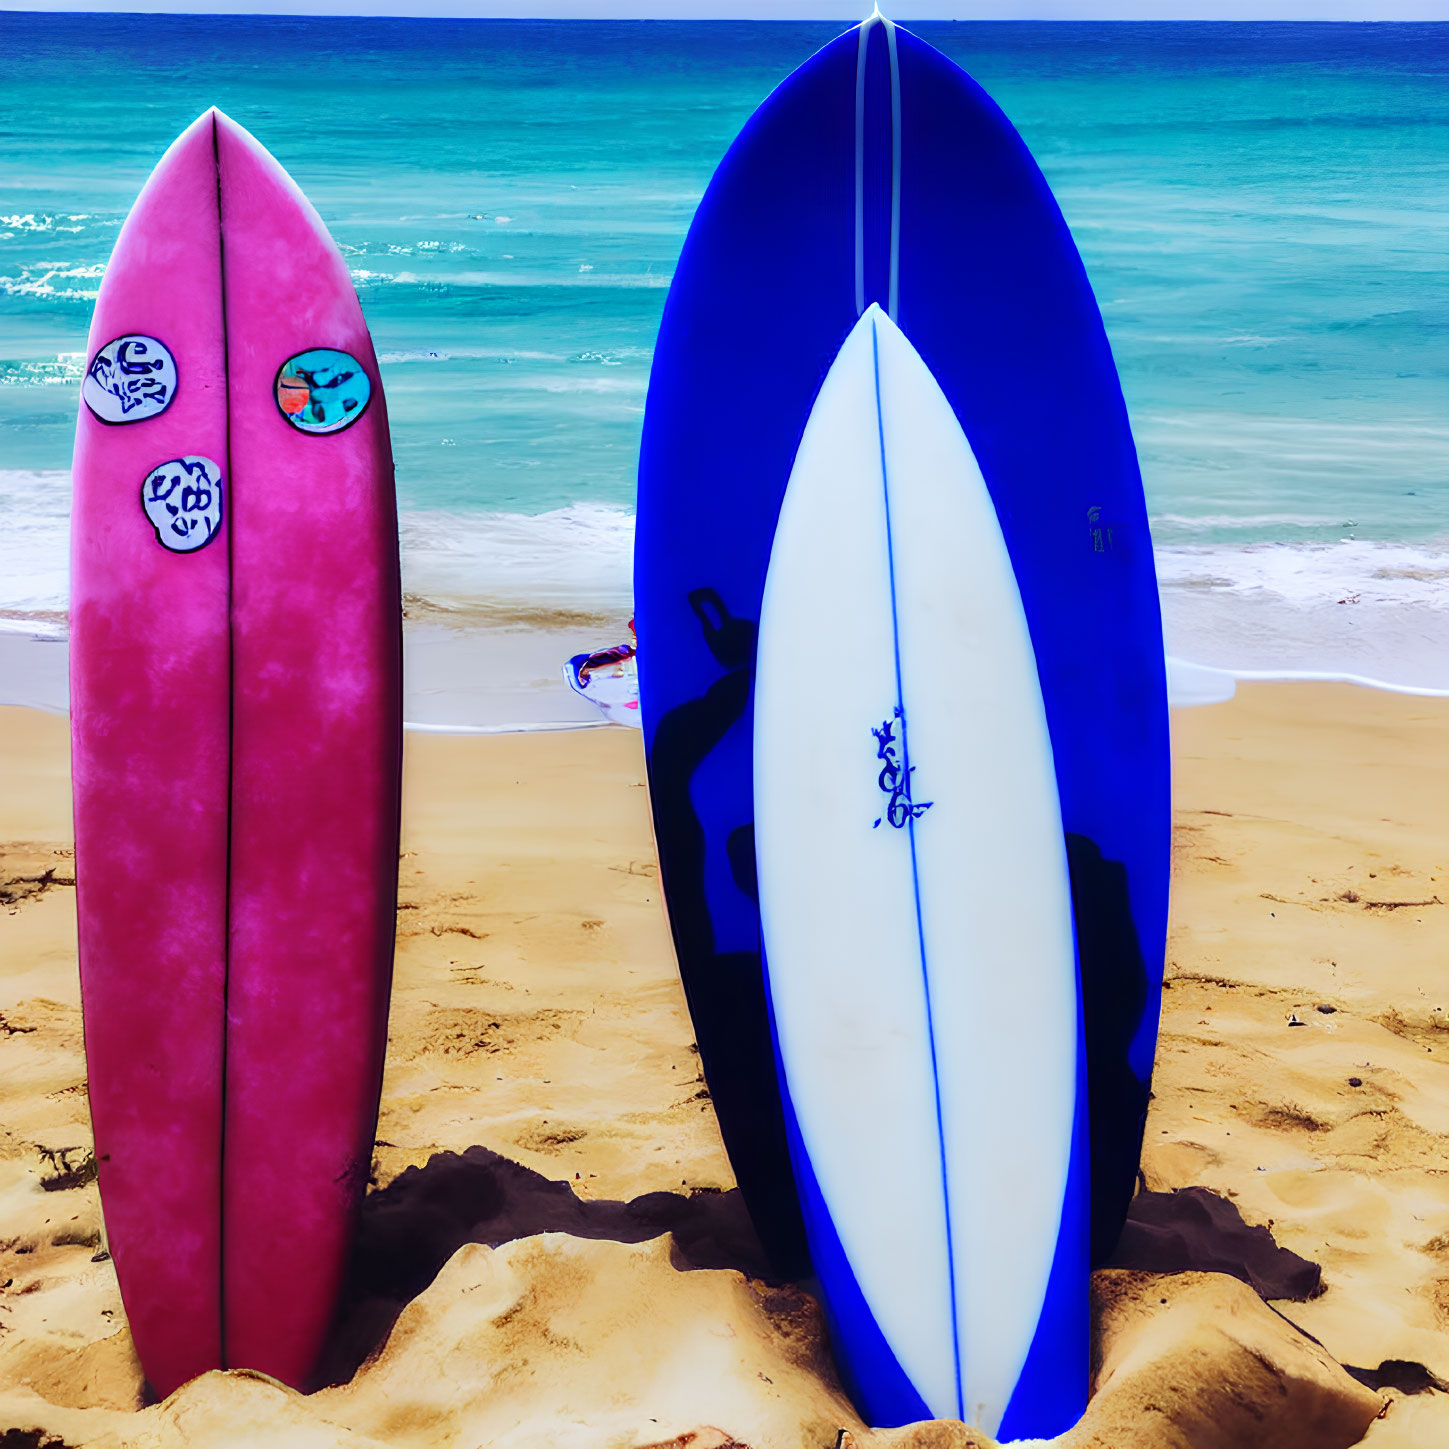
{"x": 1263, "y": 210}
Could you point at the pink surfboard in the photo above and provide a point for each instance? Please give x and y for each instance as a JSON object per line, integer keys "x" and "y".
{"x": 236, "y": 732}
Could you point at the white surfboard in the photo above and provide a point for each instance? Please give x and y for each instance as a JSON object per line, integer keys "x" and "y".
{"x": 913, "y": 878}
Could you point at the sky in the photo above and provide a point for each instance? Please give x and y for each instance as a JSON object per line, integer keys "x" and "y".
{"x": 789, "y": 9}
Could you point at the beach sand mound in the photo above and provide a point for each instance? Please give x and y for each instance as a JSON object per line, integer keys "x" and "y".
{"x": 561, "y": 1342}
{"x": 1199, "y": 1361}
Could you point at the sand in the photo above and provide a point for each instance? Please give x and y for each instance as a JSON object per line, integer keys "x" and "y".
{"x": 544, "y": 1122}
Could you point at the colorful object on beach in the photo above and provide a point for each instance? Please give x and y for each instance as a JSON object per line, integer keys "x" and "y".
{"x": 236, "y": 740}
{"x": 905, "y": 719}
{"x": 609, "y": 680}
{"x": 322, "y": 390}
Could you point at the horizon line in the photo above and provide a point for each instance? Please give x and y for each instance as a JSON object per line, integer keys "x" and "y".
{"x": 1326, "y": 12}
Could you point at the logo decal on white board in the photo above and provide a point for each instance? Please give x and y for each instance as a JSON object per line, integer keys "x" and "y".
{"x": 895, "y": 775}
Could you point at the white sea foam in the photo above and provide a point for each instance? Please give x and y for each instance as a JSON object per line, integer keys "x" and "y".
{"x": 575, "y": 559}
{"x": 31, "y": 222}
{"x": 1375, "y": 610}
{"x": 46, "y": 280}
{"x": 1164, "y": 524}
{"x": 414, "y": 354}
{"x": 533, "y": 278}
{"x": 1371, "y": 609}
{"x": 34, "y": 546}
{"x": 65, "y": 369}
{"x": 1313, "y": 575}
{"x": 500, "y": 354}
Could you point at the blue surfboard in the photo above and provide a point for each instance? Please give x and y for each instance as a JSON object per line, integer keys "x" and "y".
{"x": 891, "y": 530}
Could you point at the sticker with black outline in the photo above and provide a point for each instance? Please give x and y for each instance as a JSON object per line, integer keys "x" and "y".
{"x": 322, "y": 391}
{"x": 130, "y": 379}
{"x": 182, "y": 499}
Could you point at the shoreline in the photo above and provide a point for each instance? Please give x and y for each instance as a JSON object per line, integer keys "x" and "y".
{"x": 455, "y": 680}
{"x": 480, "y": 680}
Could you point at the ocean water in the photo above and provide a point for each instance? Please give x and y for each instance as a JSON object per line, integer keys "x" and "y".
{"x": 1263, "y": 210}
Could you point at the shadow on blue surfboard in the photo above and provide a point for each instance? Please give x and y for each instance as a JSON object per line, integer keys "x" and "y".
{"x": 902, "y": 687}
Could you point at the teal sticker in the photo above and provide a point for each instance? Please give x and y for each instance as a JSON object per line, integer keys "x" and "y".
{"x": 322, "y": 391}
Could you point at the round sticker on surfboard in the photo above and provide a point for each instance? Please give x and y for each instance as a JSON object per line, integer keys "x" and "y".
{"x": 182, "y": 499}
{"x": 322, "y": 391}
{"x": 130, "y": 379}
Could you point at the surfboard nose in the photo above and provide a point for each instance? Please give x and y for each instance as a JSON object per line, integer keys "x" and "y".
{"x": 228, "y": 125}
{"x": 193, "y": 143}
{"x": 211, "y": 115}
{"x": 233, "y": 137}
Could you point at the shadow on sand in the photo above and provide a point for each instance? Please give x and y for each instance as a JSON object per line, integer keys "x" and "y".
{"x": 410, "y": 1228}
